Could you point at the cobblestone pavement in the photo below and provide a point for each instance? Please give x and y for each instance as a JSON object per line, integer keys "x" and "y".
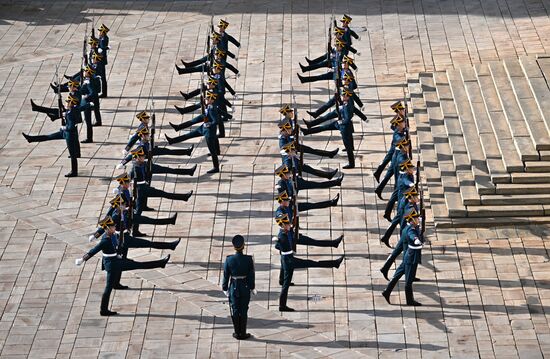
{"x": 486, "y": 291}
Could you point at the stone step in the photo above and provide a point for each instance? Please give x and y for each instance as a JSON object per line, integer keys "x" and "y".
{"x": 461, "y": 110}
{"x": 514, "y": 118}
{"x": 512, "y": 161}
{"x": 530, "y": 177}
{"x": 489, "y": 221}
{"x": 511, "y": 210}
{"x": 533, "y": 70}
{"x": 452, "y": 161}
{"x": 523, "y": 188}
{"x": 487, "y": 140}
{"x": 515, "y": 199}
{"x": 445, "y": 201}
{"x": 537, "y": 166}
{"x": 528, "y": 105}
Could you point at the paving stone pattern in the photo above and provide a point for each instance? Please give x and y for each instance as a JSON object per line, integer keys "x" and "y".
{"x": 485, "y": 290}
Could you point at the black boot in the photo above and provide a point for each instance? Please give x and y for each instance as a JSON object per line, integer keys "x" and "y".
{"x": 378, "y": 192}
{"x": 386, "y": 268}
{"x": 136, "y": 232}
{"x": 236, "y": 326}
{"x": 184, "y": 197}
{"x": 387, "y": 292}
{"x": 410, "y": 298}
{"x": 335, "y": 200}
{"x": 74, "y": 168}
{"x": 104, "y": 309}
{"x": 27, "y": 137}
{"x": 242, "y": 328}
{"x": 377, "y": 174}
{"x": 312, "y": 114}
{"x": 333, "y": 153}
{"x": 174, "y": 244}
{"x": 351, "y": 160}
{"x": 337, "y": 241}
{"x": 184, "y": 95}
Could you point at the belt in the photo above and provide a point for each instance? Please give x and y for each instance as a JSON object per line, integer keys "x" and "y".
{"x": 109, "y": 255}
{"x": 416, "y": 247}
{"x": 239, "y": 277}
{"x": 141, "y": 182}
{"x": 287, "y": 253}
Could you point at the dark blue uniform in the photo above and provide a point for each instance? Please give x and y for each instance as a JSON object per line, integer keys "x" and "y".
{"x": 238, "y": 280}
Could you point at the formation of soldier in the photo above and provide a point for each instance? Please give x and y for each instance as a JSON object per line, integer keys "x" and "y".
{"x": 85, "y": 88}
{"x": 409, "y": 212}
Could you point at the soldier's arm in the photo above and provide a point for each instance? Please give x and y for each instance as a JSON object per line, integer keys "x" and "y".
{"x": 231, "y": 68}
{"x": 233, "y": 40}
{"x": 251, "y": 277}
{"x": 90, "y": 254}
{"x": 229, "y": 89}
{"x": 226, "y": 274}
{"x": 131, "y": 142}
{"x": 357, "y": 100}
{"x": 230, "y": 54}
{"x": 353, "y": 33}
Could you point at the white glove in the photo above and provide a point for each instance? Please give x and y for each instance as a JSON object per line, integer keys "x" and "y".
{"x": 120, "y": 166}
{"x": 254, "y": 292}
{"x": 226, "y": 293}
{"x": 62, "y": 128}
{"x": 108, "y": 47}
{"x": 78, "y": 261}
{"x": 274, "y": 239}
{"x": 417, "y": 241}
{"x": 124, "y": 153}
{"x": 100, "y": 51}
{"x": 91, "y": 238}
{"x": 92, "y": 104}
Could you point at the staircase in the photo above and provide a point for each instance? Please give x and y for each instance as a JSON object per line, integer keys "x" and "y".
{"x": 484, "y": 135}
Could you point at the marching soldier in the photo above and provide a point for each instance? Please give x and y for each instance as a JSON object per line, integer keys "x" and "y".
{"x": 286, "y": 183}
{"x": 113, "y": 263}
{"x": 90, "y": 97}
{"x": 68, "y": 132}
{"x": 225, "y": 37}
{"x": 351, "y": 95}
{"x": 284, "y": 204}
{"x": 238, "y": 283}
{"x": 412, "y": 256}
{"x": 286, "y": 243}
{"x": 292, "y": 160}
{"x": 405, "y": 180}
{"x": 333, "y": 74}
{"x": 103, "y": 49}
{"x": 399, "y": 127}
{"x": 399, "y": 156}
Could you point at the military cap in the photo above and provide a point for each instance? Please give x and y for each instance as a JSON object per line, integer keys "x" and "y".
{"x": 106, "y": 222}
{"x": 289, "y": 147}
{"x": 340, "y": 43}
{"x": 97, "y": 57}
{"x": 72, "y": 100}
{"x": 348, "y": 77}
{"x": 103, "y": 29}
{"x": 285, "y": 109}
{"x": 403, "y": 143}
{"x": 282, "y": 218}
{"x": 211, "y": 95}
{"x": 216, "y": 35}
{"x": 122, "y": 178}
{"x": 347, "y": 92}
{"x": 218, "y": 65}
{"x": 338, "y": 30}
{"x": 397, "y": 106}
{"x": 89, "y": 69}
{"x": 142, "y": 116}
{"x": 93, "y": 41}
{"x": 396, "y": 119}
{"x": 73, "y": 83}
{"x": 212, "y": 80}
{"x": 142, "y": 131}
{"x": 279, "y": 171}
{"x": 220, "y": 52}
{"x": 285, "y": 124}
{"x": 405, "y": 165}
{"x": 282, "y": 196}
{"x": 238, "y": 242}
{"x": 346, "y": 19}
{"x": 137, "y": 152}
{"x": 348, "y": 60}
{"x": 411, "y": 192}
{"x": 223, "y": 24}
{"x": 410, "y": 215}
{"x": 116, "y": 201}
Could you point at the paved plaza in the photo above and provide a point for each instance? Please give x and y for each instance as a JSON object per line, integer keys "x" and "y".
{"x": 485, "y": 290}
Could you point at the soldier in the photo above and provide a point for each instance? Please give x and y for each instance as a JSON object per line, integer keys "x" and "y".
{"x": 205, "y": 64}
{"x": 286, "y": 136}
{"x": 143, "y": 135}
{"x": 412, "y": 256}
{"x": 331, "y": 75}
{"x": 399, "y": 127}
{"x": 113, "y": 263}
{"x": 238, "y": 283}
{"x": 349, "y": 83}
{"x": 144, "y": 189}
{"x": 398, "y": 157}
{"x": 103, "y": 50}
{"x": 405, "y": 180}
{"x": 407, "y": 204}
{"x": 292, "y": 160}
{"x": 344, "y": 125}
{"x": 286, "y": 243}
{"x": 284, "y": 204}
{"x": 225, "y": 37}
{"x": 286, "y": 183}
{"x": 90, "y": 90}
{"x": 207, "y": 129}
{"x": 98, "y": 63}
{"x": 68, "y": 132}
{"x": 349, "y": 33}
{"x": 351, "y": 95}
